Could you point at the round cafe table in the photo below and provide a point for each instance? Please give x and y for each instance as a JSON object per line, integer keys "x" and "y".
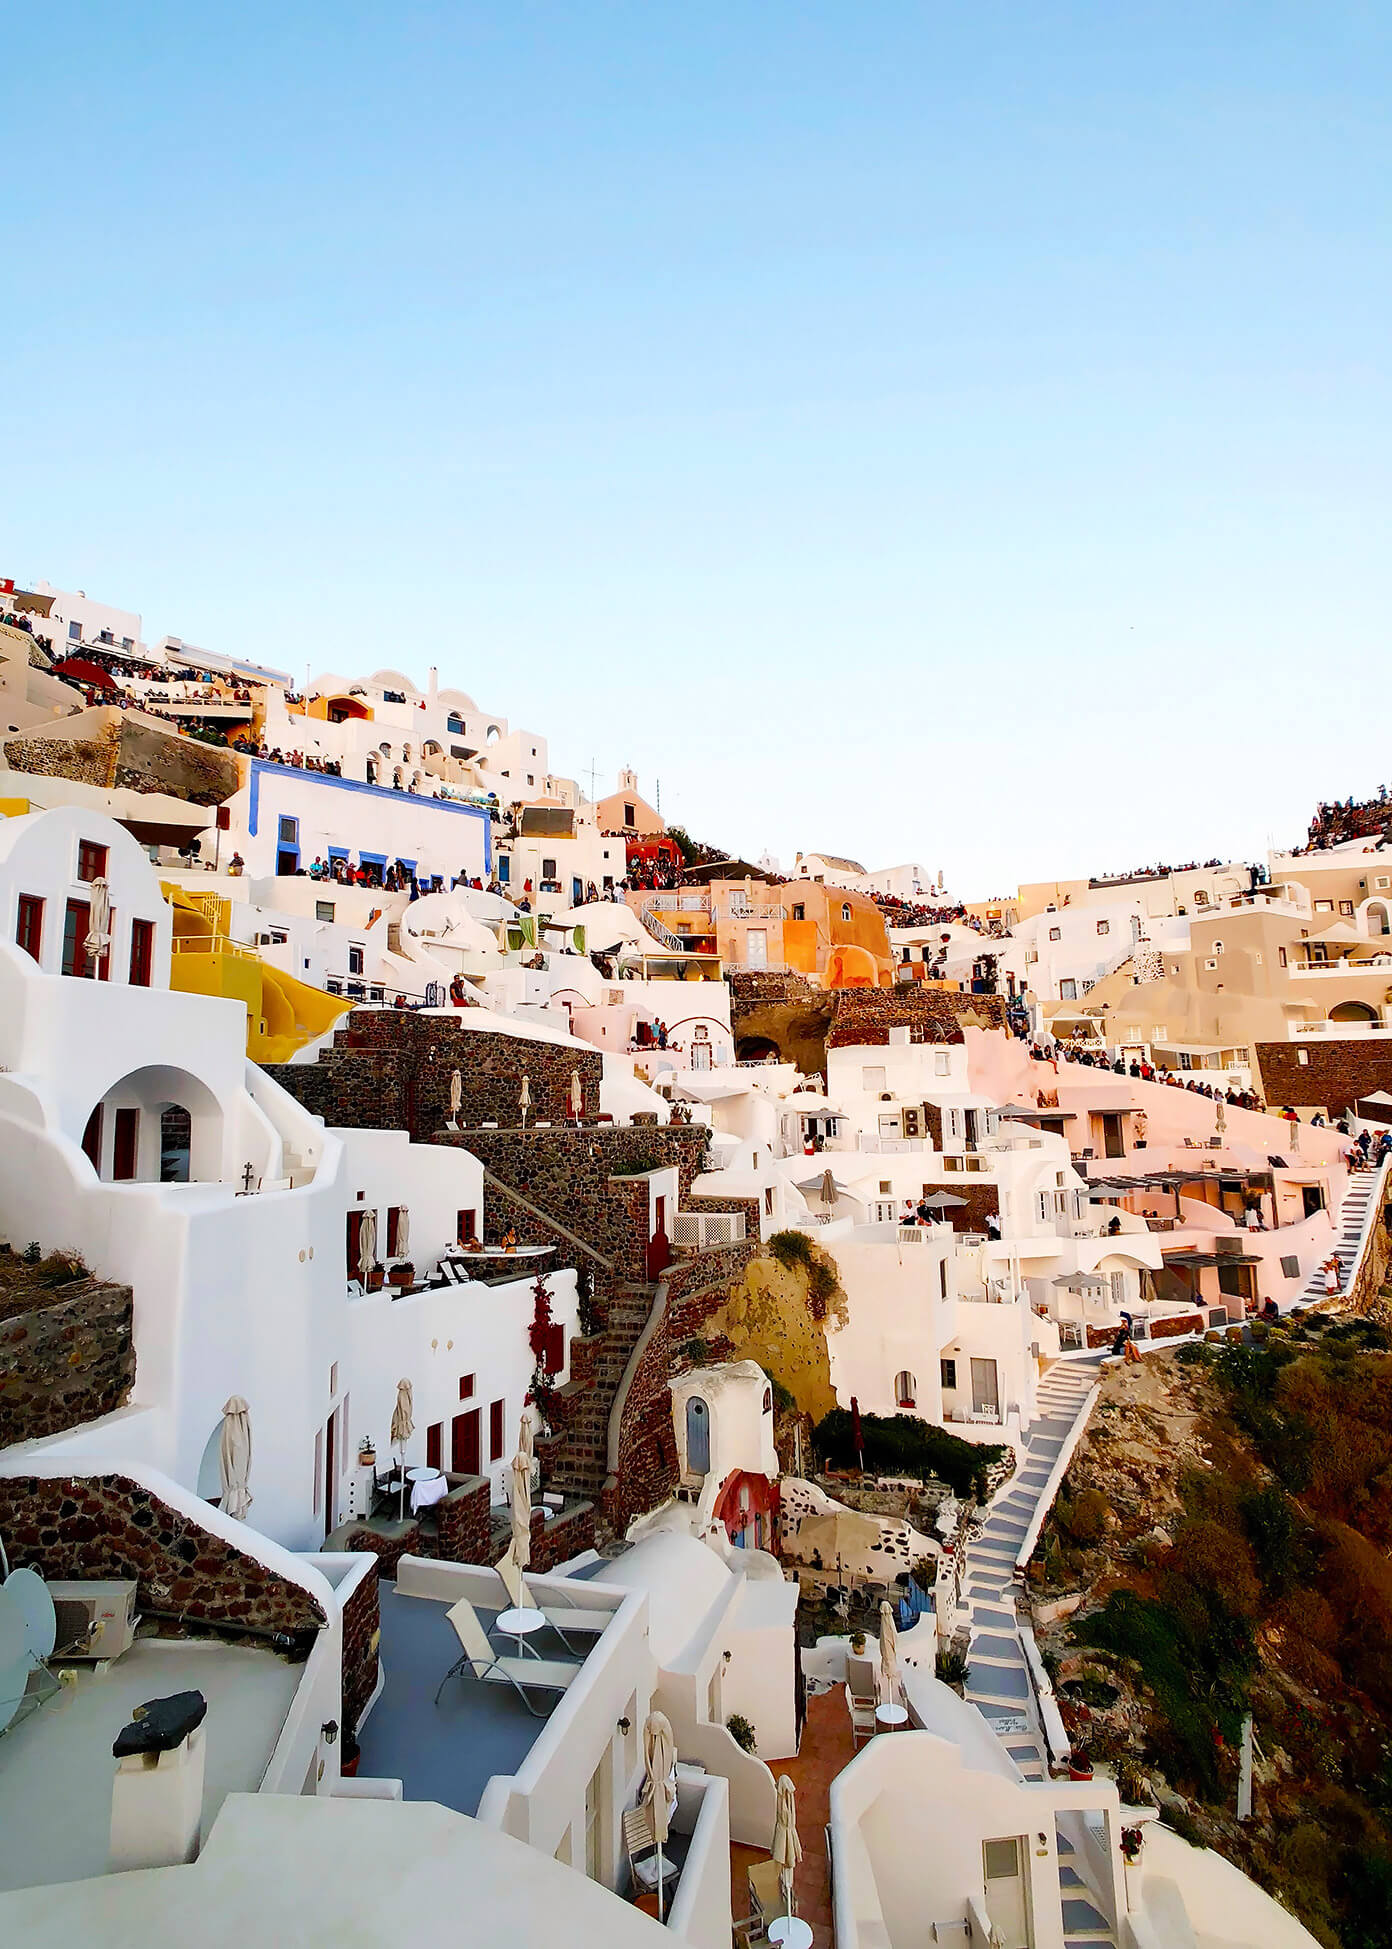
{"x": 790, "y": 1932}
{"x": 891, "y": 1716}
{"x": 519, "y": 1623}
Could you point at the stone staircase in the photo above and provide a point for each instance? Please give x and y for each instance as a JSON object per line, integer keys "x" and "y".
{"x": 1348, "y": 1238}
{"x": 1084, "y": 1923}
{"x": 579, "y": 1463}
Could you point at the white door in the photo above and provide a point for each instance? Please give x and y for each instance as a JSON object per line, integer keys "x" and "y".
{"x": 1007, "y": 1907}
{"x": 756, "y": 947}
{"x": 985, "y": 1391}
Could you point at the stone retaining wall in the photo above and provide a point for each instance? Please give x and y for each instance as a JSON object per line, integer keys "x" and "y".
{"x": 1334, "y": 1074}
{"x": 390, "y": 1069}
{"x": 866, "y": 1015}
{"x": 65, "y": 1359}
{"x": 75, "y": 1526}
{"x": 362, "y": 1635}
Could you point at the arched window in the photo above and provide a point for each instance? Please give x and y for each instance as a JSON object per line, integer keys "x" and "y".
{"x": 697, "y": 1436}
{"x": 768, "y": 1400}
{"x": 845, "y": 910}
{"x": 1353, "y": 1012}
{"x": 1217, "y": 947}
{"x": 1378, "y": 921}
{"x": 905, "y": 1389}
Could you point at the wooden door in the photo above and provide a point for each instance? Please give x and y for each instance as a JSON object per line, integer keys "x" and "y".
{"x": 464, "y": 1443}
{"x": 330, "y": 1471}
{"x": 124, "y": 1145}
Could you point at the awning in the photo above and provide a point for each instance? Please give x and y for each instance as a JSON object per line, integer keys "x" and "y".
{"x": 338, "y": 852}
{"x": 1078, "y": 1282}
{"x": 373, "y": 859}
{"x": 1039, "y": 1116}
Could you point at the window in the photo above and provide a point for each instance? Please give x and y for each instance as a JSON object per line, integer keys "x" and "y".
{"x": 905, "y": 1389}
{"x": 142, "y": 952}
{"x": 76, "y": 961}
{"x": 548, "y": 869}
{"x": 1210, "y": 965}
{"x": 1282, "y": 953}
{"x": 495, "y": 1431}
{"x": 1382, "y": 881}
{"x": 288, "y": 831}
{"x": 74, "y": 632}
{"x": 629, "y": 819}
{"x": 323, "y": 910}
{"x": 466, "y": 1387}
{"x": 1104, "y": 927}
{"x": 91, "y": 861}
{"x": 1217, "y": 947}
{"x": 1302, "y": 1056}
{"x": 29, "y": 925}
{"x": 845, "y": 910}
{"x": 355, "y": 960}
{"x": 1068, "y": 990}
{"x": 1324, "y": 906}
{"x": 942, "y": 1276}
{"x": 872, "y": 1078}
{"x": 949, "y": 1375}
{"x": 467, "y": 1229}
{"x": 1346, "y": 908}
{"x": 799, "y": 910}
{"x": 1200, "y": 897}
{"x": 885, "y": 1186}
{"x": 1055, "y": 933}
{"x": 942, "y": 1063}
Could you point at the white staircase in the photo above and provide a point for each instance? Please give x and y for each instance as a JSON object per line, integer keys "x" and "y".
{"x": 1350, "y": 1238}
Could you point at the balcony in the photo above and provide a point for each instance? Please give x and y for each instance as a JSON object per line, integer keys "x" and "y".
{"x": 1339, "y": 1031}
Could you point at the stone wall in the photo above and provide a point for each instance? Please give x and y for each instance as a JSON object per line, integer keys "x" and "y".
{"x": 866, "y": 1015}
{"x": 66, "y": 1356}
{"x": 982, "y": 1202}
{"x": 390, "y": 1070}
{"x": 1335, "y": 1073}
{"x": 646, "y": 1471}
{"x": 795, "y": 1028}
{"x": 76, "y": 1526}
{"x": 362, "y": 1636}
{"x": 575, "y": 1178}
{"x": 108, "y": 747}
{"x": 563, "y": 1537}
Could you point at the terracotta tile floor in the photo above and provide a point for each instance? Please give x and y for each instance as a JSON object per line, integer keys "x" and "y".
{"x": 826, "y": 1749}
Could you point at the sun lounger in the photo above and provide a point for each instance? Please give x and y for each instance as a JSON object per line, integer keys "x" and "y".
{"x": 525, "y": 1675}
{"x": 562, "y": 1618}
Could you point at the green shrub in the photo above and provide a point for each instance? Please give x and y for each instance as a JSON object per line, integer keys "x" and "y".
{"x": 951, "y": 1667}
{"x": 741, "y": 1731}
{"x": 1085, "y": 1518}
{"x": 901, "y": 1444}
{"x": 793, "y": 1250}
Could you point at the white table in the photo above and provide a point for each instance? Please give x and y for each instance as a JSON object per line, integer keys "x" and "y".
{"x": 891, "y": 1715}
{"x": 428, "y": 1486}
{"x": 520, "y": 1623}
{"x": 790, "y": 1932}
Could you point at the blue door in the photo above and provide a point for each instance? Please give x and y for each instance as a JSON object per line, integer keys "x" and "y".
{"x": 697, "y": 1436}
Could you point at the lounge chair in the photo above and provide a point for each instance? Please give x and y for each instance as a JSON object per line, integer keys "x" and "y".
{"x": 562, "y": 1618}
{"x": 482, "y": 1661}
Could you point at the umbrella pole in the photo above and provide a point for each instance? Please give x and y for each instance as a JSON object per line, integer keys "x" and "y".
{"x": 401, "y": 1478}
{"x": 659, "y": 1874}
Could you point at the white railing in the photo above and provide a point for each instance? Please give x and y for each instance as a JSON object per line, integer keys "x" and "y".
{"x": 1340, "y": 1030}
{"x": 889, "y": 1146}
{"x": 1344, "y": 967}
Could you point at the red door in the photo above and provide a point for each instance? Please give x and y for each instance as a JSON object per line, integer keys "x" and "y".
{"x": 659, "y": 1247}
{"x": 434, "y": 1443}
{"x": 123, "y": 1147}
{"x": 464, "y": 1443}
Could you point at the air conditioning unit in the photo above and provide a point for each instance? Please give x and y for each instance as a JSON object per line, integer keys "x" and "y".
{"x": 95, "y": 1620}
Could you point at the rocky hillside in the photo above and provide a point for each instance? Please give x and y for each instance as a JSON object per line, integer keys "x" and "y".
{"x": 1220, "y": 1547}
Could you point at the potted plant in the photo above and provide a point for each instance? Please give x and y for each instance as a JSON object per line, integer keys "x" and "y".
{"x": 402, "y": 1275}
{"x": 375, "y": 1278}
{"x": 367, "y": 1453}
{"x": 741, "y": 1731}
{"x": 1080, "y": 1764}
{"x": 858, "y": 1643}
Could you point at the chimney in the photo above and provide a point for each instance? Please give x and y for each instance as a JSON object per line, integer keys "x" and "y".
{"x": 157, "y": 1795}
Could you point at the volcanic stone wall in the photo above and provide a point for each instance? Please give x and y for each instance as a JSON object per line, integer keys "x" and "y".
{"x": 94, "y": 1527}
{"x": 66, "y": 1356}
{"x": 1334, "y": 1076}
{"x": 390, "y": 1069}
{"x": 866, "y": 1015}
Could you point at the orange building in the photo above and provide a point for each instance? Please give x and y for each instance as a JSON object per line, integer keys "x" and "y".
{"x": 837, "y": 934}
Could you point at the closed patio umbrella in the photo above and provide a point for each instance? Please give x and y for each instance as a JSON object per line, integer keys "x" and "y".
{"x": 889, "y": 1652}
{"x": 367, "y": 1245}
{"x": 524, "y": 1100}
{"x": 787, "y": 1848}
{"x": 525, "y": 1438}
{"x": 828, "y": 1189}
{"x": 403, "y": 1232}
{"x": 521, "y": 1510}
{"x": 577, "y": 1095}
{"x": 456, "y": 1096}
{"x": 234, "y": 1458}
{"x": 660, "y": 1765}
{"x": 403, "y": 1426}
{"x": 98, "y": 921}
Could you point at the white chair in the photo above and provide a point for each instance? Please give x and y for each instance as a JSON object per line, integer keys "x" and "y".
{"x": 562, "y": 1618}
{"x": 483, "y": 1662}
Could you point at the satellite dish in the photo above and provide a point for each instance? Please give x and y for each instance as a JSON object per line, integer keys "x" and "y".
{"x": 27, "y": 1589}
{"x": 15, "y": 1662}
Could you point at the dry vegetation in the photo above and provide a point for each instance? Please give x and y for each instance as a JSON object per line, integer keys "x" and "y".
{"x": 1228, "y": 1523}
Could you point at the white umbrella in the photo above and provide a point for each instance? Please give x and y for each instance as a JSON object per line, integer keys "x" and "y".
{"x": 525, "y": 1437}
{"x": 521, "y": 1510}
{"x": 660, "y": 1764}
{"x": 98, "y": 921}
{"x": 403, "y": 1232}
{"x": 577, "y": 1095}
{"x": 456, "y": 1096}
{"x": 889, "y": 1652}
{"x": 234, "y": 1457}
{"x": 787, "y": 1848}
{"x": 367, "y": 1245}
{"x": 403, "y": 1426}
{"x": 524, "y": 1100}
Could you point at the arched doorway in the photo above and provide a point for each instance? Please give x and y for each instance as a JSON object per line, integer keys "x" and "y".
{"x": 697, "y": 1436}
{"x": 1378, "y": 919}
{"x": 1353, "y": 1012}
{"x": 156, "y": 1126}
{"x": 176, "y": 1144}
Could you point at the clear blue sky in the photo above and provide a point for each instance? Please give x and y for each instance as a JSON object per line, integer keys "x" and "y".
{"x": 944, "y": 432}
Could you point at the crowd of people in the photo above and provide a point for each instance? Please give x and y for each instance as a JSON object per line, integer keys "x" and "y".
{"x": 1335, "y": 823}
{"x": 1049, "y": 1049}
